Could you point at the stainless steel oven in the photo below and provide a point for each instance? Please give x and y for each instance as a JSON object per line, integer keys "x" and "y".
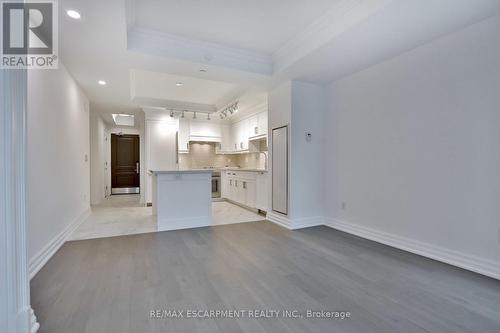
{"x": 216, "y": 184}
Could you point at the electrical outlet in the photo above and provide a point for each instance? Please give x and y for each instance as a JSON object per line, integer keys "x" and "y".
{"x": 343, "y": 205}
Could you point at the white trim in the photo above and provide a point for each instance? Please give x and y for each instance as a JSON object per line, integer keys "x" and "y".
{"x": 184, "y": 223}
{"x": 342, "y": 16}
{"x": 307, "y": 222}
{"x": 16, "y": 313}
{"x": 279, "y": 219}
{"x": 455, "y": 258}
{"x": 41, "y": 258}
{"x": 169, "y": 45}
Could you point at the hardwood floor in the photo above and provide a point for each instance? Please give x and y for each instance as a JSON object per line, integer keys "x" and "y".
{"x": 112, "y": 284}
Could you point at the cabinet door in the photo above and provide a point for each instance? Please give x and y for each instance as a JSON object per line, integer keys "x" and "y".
{"x": 243, "y": 135}
{"x": 224, "y": 184}
{"x": 262, "y": 123}
{"x": 183, "y": 136}
{"x": 261, "y": 190}
{"x": 248, "y": 187}
{"x": 226, "y": 139}
{"x": 253, "y": 126}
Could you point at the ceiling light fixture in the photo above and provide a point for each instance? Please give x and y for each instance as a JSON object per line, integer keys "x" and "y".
{"x": 221, "y": 116}
{"x": 179, "y": 84}
{"x": 171, "y": 113}
{"x": 73, "y": 14}
{"x": 102, "y": 82}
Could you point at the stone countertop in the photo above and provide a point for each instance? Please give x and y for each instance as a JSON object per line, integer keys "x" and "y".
{"x": 183, "y": 171}
{"x": 243, "y": 169}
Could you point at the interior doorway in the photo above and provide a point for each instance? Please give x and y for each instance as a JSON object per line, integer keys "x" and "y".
{"x": 125, "y": 165}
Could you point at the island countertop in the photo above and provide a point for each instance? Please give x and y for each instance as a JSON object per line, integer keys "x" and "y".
{"x": 181, "y": 171}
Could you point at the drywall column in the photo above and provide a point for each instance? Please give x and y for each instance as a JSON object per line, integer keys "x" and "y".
{"x": 300, "y": 106}
{"x": 16, "y": 315}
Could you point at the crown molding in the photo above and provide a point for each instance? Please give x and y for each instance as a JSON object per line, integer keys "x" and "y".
{"x": 342, "y": 16}
{"x": 169, "y": 45}
{"x": 146, "y": 102}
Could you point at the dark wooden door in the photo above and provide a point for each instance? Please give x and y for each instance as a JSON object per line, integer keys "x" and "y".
{"x": 125, "y": 164}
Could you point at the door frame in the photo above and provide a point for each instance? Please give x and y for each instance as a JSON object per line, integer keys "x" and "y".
{"x": 16, "y": 314}
{"x": 128, "y": 190}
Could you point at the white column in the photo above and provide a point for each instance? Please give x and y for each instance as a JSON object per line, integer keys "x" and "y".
{"x": 16, "y": 315}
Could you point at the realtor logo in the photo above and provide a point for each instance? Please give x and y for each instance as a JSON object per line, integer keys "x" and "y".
{"x": 29, "y": 34}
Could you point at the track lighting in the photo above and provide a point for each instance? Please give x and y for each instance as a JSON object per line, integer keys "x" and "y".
{"x": 182, "y": 115}
{"x": 171, "y": 113}
{"x": 221, "y": 116}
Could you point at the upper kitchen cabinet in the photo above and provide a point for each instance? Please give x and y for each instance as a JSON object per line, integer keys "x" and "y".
{"x": 184, "y": 133}
{"x": 201, "y": 130}
{"x": 226, "y": 144}
{"x": 257, "y": 125}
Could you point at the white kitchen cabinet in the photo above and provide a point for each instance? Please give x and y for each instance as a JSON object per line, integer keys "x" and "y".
{"x": 184, "y": 136}
{"x": 240, "y": 187}
{"x": 241, "y": 129}
{"x": 262, "y": 123}
{"x": 248, "y": 196}
{"x": 262, "y": 190}
{"x": 226, "y": 144}
{"x": 257, "y": 125}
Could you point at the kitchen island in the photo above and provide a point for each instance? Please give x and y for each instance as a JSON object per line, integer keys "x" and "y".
{"x": 182, "y": 198}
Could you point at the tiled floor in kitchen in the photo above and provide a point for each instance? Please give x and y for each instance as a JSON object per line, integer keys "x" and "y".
{"x": 123, "y": 215}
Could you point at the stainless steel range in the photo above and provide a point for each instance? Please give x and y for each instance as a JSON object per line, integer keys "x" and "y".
{"x": 216, "y": 184}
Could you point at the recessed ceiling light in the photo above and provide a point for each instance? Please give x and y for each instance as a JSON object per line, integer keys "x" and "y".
{"x": 102, "y": 82}
{"x": 179, "y": 84}
{"x": 73, "y": 14}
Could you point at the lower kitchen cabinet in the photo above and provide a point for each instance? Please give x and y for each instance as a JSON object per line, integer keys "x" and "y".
{"x": 245, "y": 188}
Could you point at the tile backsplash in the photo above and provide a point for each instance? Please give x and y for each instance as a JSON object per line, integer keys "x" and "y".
{"x": 202, "y": 154}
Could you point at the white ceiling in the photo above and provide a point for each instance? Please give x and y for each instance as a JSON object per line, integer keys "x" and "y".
{"x": 149, "y": 84}
{"x": 245, "y": 47}
{"x": 260, "y": 25}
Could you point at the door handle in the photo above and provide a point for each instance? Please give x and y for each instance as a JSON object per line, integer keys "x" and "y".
{"x": 137, "y": 167}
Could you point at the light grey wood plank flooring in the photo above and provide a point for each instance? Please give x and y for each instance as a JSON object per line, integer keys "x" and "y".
{"x": 111, "y": 284}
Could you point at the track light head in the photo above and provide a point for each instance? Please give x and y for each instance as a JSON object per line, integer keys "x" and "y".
{"x": 171, "y": 113}
{"x": 182, "y": 114}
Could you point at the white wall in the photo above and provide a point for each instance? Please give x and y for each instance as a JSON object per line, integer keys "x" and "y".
{"x": 414, "y": 146}
{"x": 97, "y": 158}
{"x": 306, "y": 167}
{"x": 58, "y": 176}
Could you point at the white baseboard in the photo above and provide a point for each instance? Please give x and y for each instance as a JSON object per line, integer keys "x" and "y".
{"x": 307, "y": 222}
{"x": 41, "y": 258}
{"x": 294, "y": 224}
{"x": 455, "y": 258}
{"x": 186, "y": 223}
{"x": 279, "y": 219}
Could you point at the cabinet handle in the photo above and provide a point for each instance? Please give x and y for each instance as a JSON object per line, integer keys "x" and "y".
{"x": 256, "y": 129}
{"x": 235, "y": 183}
{"x": 244, "y": 184}
{"x": 230, "y": 182}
